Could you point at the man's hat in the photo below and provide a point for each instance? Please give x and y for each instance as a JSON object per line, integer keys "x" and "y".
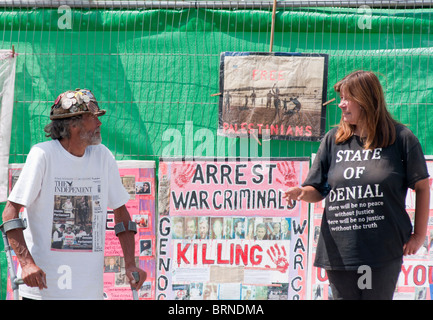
{"x": 74, "y": 103}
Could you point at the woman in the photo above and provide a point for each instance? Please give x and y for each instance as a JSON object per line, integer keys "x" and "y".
{"x": 364, "y": 167}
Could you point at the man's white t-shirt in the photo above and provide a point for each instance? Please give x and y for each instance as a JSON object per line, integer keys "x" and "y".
{"x": 50, "y": 178}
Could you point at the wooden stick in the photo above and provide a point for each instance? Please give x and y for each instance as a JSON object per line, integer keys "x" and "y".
{"x": 274, "y": 9}
{"x": 328, "y": 102}
{"x": 255, "y": 137}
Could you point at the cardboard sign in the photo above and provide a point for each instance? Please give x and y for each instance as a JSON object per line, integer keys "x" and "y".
{"x": 275, "y": 95}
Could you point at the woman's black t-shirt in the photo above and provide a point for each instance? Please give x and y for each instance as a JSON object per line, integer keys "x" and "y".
{"x": 365, "y": 221}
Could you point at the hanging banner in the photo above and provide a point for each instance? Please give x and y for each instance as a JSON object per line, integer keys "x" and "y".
{"x": 281, "y": 94}
{"x": 138, "y": 178}
{"x": 7, "y": 85}
{"x": 416, "y": 277}
{"x": 225, "y": 231}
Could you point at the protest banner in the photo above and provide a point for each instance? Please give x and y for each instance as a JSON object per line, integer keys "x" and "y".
{"x": 225, "y": 231}
{"x": 283, "y": 93}
{"x": 138, "y": 178}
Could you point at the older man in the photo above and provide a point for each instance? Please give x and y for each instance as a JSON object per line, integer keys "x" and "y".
{"x": 73, "y": 164}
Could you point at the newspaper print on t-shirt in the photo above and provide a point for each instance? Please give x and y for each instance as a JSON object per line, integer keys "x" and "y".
{"x": 77, "y": 220}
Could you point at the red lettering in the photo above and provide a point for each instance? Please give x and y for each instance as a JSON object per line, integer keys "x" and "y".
{"x": 321, "y": 275}
{"x": 416, "y": 278}
{"x": 205, "y": 260}
{"x": 406, "y": 273}
{"x": 274, "y": 129}
{"x": 255, "y": 72}
{"x": 430, "y": 274}
{"x": 219, "y": 254}
{"x": 229, "y": 128}
{"x": 280, "y": 76}
{"x": 195, "y": 252}
{"x": 255, "y": 260}
{"x": 272, "y": 75}
{"x": 299, "y": 131}
{"x": 240, "y": 253}
{"x": 260, "y": 125}
{"x": 308, "y": 132}
{"x": 181, "y": 253}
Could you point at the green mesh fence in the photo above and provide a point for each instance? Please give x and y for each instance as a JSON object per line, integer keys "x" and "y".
{"x": 156, "y": 69}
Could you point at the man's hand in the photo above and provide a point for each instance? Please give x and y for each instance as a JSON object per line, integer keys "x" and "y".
{"x": 142, "y": 277}
{"x": 127, "y": 242}
{"x": 33, "y": 276}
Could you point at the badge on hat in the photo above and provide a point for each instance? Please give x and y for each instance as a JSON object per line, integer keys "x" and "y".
{"x": 73, "y": 103}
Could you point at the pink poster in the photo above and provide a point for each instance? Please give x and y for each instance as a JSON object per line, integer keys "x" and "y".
{"x": 138, "y": 177}
{"x": 227, "y": 233}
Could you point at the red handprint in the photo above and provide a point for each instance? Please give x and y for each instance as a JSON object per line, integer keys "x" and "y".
{"x": 278, "y": 257}
{"x": 288, "y": 171}
{"x": 184, "y": 174}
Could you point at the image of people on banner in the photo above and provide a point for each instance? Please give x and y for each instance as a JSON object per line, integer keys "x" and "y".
{"x": 282, "y": 94}
{"x": 252, "y": 228}
{"x": 72, "y": 223}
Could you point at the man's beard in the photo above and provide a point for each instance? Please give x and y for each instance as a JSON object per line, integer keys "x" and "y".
{"x": 92, "y": 138}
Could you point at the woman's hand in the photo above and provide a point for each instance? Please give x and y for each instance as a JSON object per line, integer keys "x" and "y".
{"x": 412, "y": 246}
{"x": 307, "y": 193}
{"x": 294, "y": 194}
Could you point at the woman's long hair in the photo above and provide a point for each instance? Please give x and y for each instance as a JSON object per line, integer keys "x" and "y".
{"x": 364, "y": 88}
